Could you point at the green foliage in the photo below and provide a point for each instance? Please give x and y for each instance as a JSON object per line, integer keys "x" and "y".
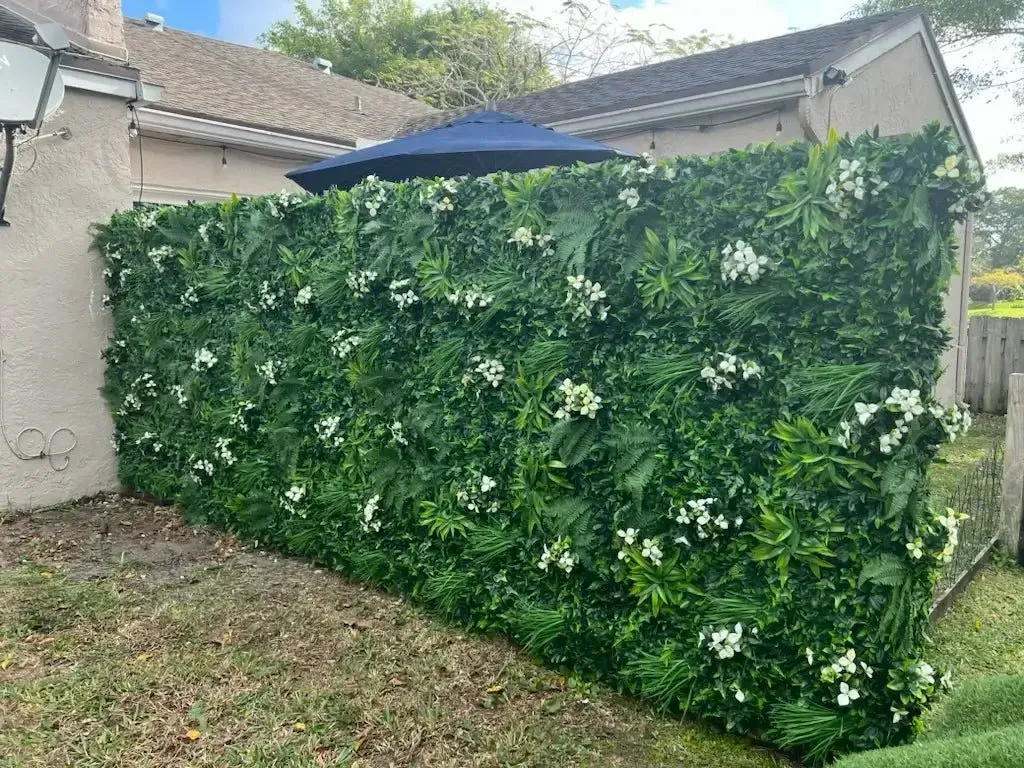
{"x": 395, "y": 390}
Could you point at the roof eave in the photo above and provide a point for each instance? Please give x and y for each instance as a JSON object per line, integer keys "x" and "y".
{"x": 774, "y": 91}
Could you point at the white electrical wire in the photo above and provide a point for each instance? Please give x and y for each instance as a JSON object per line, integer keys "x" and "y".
{"x": 17, "y": 445}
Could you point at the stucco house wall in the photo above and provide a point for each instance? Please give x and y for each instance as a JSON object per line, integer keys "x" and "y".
{"x": 52, "y": 322}
{"x": 176, "y": 171}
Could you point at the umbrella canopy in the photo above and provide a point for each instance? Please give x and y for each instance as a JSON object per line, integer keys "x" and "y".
{"x": 476, "y": 145}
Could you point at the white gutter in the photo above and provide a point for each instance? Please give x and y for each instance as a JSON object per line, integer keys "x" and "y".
{"x": 646, "y": 115}
{"x": 126, "y": 88}
{"x": 156, "y": 123}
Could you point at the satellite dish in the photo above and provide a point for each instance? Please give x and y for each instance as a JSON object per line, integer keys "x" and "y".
{"x": 22, "y": 79}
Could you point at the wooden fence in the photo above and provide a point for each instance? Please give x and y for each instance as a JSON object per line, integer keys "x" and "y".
{"x": 995, "y": 349}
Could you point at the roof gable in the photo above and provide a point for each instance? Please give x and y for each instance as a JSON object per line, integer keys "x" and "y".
{"x": 249, "y": 86}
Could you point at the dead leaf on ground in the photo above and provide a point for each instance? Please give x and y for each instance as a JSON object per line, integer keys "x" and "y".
{"x": 39, "y": 639}
{"x": 6, "y": 662}
{"x": 299, "y": 727}
{"x": 495, "y": 688}
{"x": 192, "y": 734}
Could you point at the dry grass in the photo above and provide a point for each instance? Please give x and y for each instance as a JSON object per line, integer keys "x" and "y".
{"x": 129, "y": 639}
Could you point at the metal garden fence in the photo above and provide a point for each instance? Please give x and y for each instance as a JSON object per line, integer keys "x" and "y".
{"x": 979, "y": 496}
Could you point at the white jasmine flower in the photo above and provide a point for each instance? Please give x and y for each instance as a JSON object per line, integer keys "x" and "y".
{"x": 628, "y": 536}
{"x": 579, "y": 398}
{"x": 361, "y": 282}
{"x": 328, "y": 431}
{"x": 179, "y": 392}
{"x": 487, "y": 484}
{"x": 304, "y": 296}
{"x": 189, "y": 298}
{"x": 652, "y": 551}
{"x": 269, "y": 369}
{"x": 343, "y": 342}
{"x": 224, "y": 451}
{"x": 740, "y": 262}
{"x": 865, "y": 411}
{"x": 370, "y": 509}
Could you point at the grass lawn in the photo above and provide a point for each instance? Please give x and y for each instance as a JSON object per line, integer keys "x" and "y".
{"x": 1001, "y": 309}
{"x": 130, "y": 639}
{"x": 957, "y": 459}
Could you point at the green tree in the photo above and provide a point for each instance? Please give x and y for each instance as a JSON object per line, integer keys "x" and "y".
{"x": 999, "y": 284}
{"x": 459, "y": 54}
{"x": 999, "y": 230}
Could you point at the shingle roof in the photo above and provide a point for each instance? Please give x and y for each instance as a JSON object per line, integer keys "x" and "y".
{"x": 799, "y": 53}
{"x": 14, "y": 28}
{"x": 259, "y": 88}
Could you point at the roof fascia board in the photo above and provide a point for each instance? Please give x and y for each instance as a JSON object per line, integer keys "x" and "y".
{"x": 860, "y": 58}
{"x": 158, "y": 122}
{"x": 172, "y": 195}
{"x": 126, "y": 87}
{"x": 647, "y": 115}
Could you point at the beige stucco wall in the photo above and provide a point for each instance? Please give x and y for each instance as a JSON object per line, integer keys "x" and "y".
{"x": 720, "y": 131}
{"x": 52, "y": 322}
{"x": 176, "y": 172}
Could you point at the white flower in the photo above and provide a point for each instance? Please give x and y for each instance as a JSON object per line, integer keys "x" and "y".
{"x": 584, "y": 297}
{"x": 579, "y": 398}
{"x": 204, "y": 360}
{"x": 487, "y": 484}
{"x": 370, "y": 509}
{"x": 328, "y": 432}
{"x": 846, "y": 695}
{"x": 725, "y": 643}
{"x": 523, "y": 237}
{"x": 402, "y": 298}
{"x": 204, "y": 465}
{"x": 630, "y": 197}
{"x": 361, "y": 282}
{"x": 343, "y": 342}
{"x": 269, "y": 370}
{"x": 751, "y": 370}
{"x": 224, "y": 451}
{"x": 846, "y": 663}
{"x": 925, "y": 672}
{"x": 304, "y": 296}
{"x": 722, "y": 372}
{"x": 865, "y": 411}
{"x": 652, "y": 551}
{"x": 238, "y": 417}
{"x": 189, "y": 297}
{"x": 740, "y": 262}
{"x": 810, "y": 656}
{"x": 397, "y": 434}
{"x": 885, "y": 443}
{"x": 560, "y": 554}
{"x": 267, "y": 298}
{"x": 491, "y": 372}
{"x": 915, "y": 548}
{"x": 898, "y": 714}
{"x": 740, "y": 696}
{"x": 628, "y": 536}
{"x": 179, "y": 392}
{"x": 157, "y": 256}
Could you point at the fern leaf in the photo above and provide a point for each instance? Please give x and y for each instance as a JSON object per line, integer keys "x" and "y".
{"x": 573, "y": 440}
{"x": 888, "y": 570}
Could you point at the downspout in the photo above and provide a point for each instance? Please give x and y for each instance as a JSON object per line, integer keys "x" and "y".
{"x": 7, "y": 171}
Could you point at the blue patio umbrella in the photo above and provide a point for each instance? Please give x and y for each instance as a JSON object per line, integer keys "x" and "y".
{"x": 476, "y": 145}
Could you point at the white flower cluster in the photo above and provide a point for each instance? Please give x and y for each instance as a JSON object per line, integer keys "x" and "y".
{"x": 950, "y": 169}
{"x": 629, "y": 537}
{"x": 328, "y": 431}
{"x": 292, "y": 498}
{"x": 157, "y": 256}
{"x": 149, "y": 437}
{"x": 630, "y": 196}
{"x": 204, "y": 360}
{"x": 268, "y": 298}
{"x": 304, "y": 296}
{"x": 123, "y": 275}
{"x": 843, "y": 669}
{"x": 728, "y": 370}
{"x": 651, "y": 550}
{"x": 956, "y": 421}
{"x": 950, "y": 523}
{"x": 907, "y": 405}
{"x": 474, "y": 496}
{"x": 203, "y": 465}
{"x": 403, "y": 298}
{"x": 579, "y": 398}
{"x": 371, "y": 194}
{"x": 700, "y": 514}
{"x": 147, "y": 217}
{"x": 559, "y": 553}
{"x": 343, "y": 342}
{"x": 740, "y": 262}
{"x": 471, "y": 298}
{"x": 130, "y": 403}
{"x": 269, "y": 369}
{"x": 238, "y": 417}
{"x": 489, "y": 372}
{"x": 851, "y": 182}
{"x": 146, "y": 383}
{"x": 524, "y": 238}
{"x": 360, "y": 282}
{"x": 189, "y": 298}
{"x": 179, "y": 392}
{"x": 438, "y": 196}
{"x": 398, "y": 433}
{"x": 223, "y": 448}
{"x": 585, "y": 297}
{"x": 281, "y": 202}
{"x": 370, "y": 509}
{"x": 204, "y": 232}
{"x": 647, "y": 168}
{"x": 724, "y": 642}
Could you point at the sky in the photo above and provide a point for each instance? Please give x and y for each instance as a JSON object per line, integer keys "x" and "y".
{"x": 992, "y": 118}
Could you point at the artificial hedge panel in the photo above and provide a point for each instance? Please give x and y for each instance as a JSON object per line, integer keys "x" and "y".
{"x": 663, "y": 423}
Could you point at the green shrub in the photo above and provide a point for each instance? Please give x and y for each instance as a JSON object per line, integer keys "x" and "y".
{"x": 607, "y": 410}
{"x": 1000, "y": 748}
